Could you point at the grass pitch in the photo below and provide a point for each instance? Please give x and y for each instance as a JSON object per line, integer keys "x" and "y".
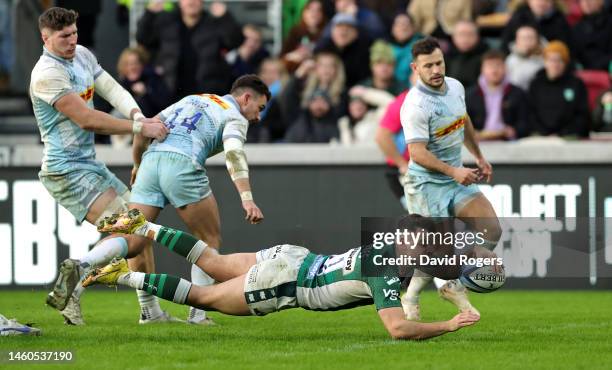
{"x": 519, "y": 330}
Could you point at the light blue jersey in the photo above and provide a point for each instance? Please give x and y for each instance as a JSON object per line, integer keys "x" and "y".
{"x": 172, "y": 171}
{"x": 65, "y": 143}
{"x": 69, "y": 170}
{"x": 436, "y": 118}
{"x": 198, "y": 125}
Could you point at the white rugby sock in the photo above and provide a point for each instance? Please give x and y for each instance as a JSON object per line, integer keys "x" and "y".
{"x": 418, "y": 281}
{"x": 149, "y": 304}
{"x": 439, "y": 283}
{"x": 199, "y": 277}
{"x": 100, "y": 255}
{"x": 133, "y": 279}
{"x": 104, "y": 252}
{"x": 148, "y": 230}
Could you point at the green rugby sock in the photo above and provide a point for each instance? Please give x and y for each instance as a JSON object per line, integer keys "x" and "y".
{"x": 168, "y": 287}
{"x": 181, "y": 243}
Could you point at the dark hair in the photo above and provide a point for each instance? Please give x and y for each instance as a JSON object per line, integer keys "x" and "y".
{"x": 494, "y": 54}
{"x": 424, "y": 46}
{"x": 252, "y": 82}
{"x": 531, "y": 25}
{"x": 415, "y": 223}
{"x": 308, "y": 3}
{"x": 404, "y": 14}
{"x": 57, "y": 18}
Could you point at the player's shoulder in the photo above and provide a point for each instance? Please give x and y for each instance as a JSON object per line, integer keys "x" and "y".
{"x": 454, "y": 85}
{"x": 48, "y": 67}
{"x": 413, "y": 98}
{"x": 47, "y": 62}
{"x": 85, "y": 55}
{"x": 215, "y": 102}
{"x": 83, "y": 51}
{"x": 413, "y": 94}
{"x": 233, "y": 109}
{"x": 416, "y": 100}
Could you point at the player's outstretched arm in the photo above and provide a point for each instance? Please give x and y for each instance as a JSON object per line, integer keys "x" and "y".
{"x": 400, "y": 328}
{"x": 236, "y": 162}
{"x": 109, "y": 89}
{"x": 72, "y": 106}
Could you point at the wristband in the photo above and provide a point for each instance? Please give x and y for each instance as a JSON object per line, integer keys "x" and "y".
{"x": 136, "y": 127}
{"x": 138, "y": 116}
{"x": 246, "y": 195}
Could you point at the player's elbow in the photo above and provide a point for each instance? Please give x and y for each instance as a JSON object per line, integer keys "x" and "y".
{"x": 416, "y": 153}
{"x": 235, "y": 160}
{"x": 405, "y": 330}
{"x": 85, "y": 118}
{"x": 87, "y": 126}
{"x": 397, "y": 335}
{"x": 400, "y": 333}
{"x": 85, "y": 122}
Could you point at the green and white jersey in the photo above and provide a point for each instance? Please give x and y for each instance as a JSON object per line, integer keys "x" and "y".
{"x": 336, "y": 282}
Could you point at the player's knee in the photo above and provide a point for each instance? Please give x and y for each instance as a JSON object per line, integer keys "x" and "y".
{"x": 201, "y": 297}
{"x": 492, "y": 234}
{"x": 216, "y": 242}
{"x": 494, "y": 231}
{"x": 213, "y": 240}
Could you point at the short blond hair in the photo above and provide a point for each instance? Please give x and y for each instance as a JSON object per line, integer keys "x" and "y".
{"x": 141, "y": 53}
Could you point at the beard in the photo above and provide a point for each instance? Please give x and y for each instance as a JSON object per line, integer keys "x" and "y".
{"x": 435, "y": 83}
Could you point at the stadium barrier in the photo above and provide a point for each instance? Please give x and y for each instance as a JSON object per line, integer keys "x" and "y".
{"x": 315, "y": 196}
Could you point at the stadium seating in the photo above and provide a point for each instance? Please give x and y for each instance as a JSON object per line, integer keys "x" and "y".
{"x": 596, "y": 82}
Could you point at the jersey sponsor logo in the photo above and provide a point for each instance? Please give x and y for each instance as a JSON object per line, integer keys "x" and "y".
{"x": 314, "y": 268}
{"x": 217, "y": 100}
{"x": 342, "y": 262}
{"x": 349, "y": 266}
{"x": 87, "y": 95}
{"x": 277, "y": 250}
{"x": 454, "y": 126}
{"x": 252, "y": 275}
{"x": 391, "y": 294}
{"x": 393, "y": 281}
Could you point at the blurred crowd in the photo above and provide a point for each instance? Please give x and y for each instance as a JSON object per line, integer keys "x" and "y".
{"x": 530, "y": 67}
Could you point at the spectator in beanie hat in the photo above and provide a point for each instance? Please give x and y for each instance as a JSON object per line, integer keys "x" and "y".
{"x": 558, "y": 99}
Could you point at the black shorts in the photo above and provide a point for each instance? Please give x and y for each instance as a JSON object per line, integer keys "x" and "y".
{"x": 392, "y": 176}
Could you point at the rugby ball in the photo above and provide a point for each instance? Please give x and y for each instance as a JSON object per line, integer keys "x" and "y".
{"x": 485, "y": 279}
